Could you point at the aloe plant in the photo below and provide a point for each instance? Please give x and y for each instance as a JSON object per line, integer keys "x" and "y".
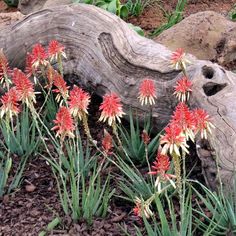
{"x": 132, "y": 183}
{"x": 12, "y": 3}
{"x": 173, "y": 18}
{"x": 170, "y": 226}
{"x": 220, "y": 218}
{"x": 232, "y": 13}
{"x": 113, "y": 6}
{"x": 133, "y": 144}
{"x": 165, "y": 221}
{"x": 5, "y": 167}
{"x": 22, "y": 141}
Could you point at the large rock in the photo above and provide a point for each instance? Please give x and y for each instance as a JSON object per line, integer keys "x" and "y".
{"x": 8, "y": 18}
{"x": 28, "y": 6}
{"x": 207, "y": 35}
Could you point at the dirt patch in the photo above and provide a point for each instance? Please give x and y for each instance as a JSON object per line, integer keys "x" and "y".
{"x": 150, "y": 19}
{"x": 29, "y": 209}
{"x": 153, "y": 16}
{"x": 5, "y": 8}
{"x": 220, "y": 6}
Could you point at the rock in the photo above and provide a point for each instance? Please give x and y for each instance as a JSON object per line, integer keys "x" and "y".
{"x": 28, "y": 6}
{"x": 9, "y": 17}
{"x": 207, "y": 35}
{"x": 50, "y": 3}
{"x": 30, "y": 188}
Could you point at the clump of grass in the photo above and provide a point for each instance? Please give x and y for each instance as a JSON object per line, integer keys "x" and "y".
{"x": 173, "y": 18}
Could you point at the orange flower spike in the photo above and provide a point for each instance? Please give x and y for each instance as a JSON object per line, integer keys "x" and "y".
{"x": 55, "y": 49}
{"x": 107, "y": 142}
{"x": 183, "y": 89}
{"x": 147, "y": 92}
{"x": 178, "y": 59}
{"x": 139, "y": 210}
{"x": 39, "y": 56}
{"x": 4, "y": 69}
{"x": 111, "y": 108}
{"x": 10, "y": 103}
{"x": 50, "y": 74}
{"x": 184, "y": 118}
{"x": 3, "y": 62}
{"x": 173, "y": 140}
{"x": 61, "y": 87}
{"x": 145, "y": 137}
{"x": 29, "y": 68}
{"x": 159, "y": 167}
{"x": 78, "y": 102}
{"x": 64, "y": 123}
{"x": 202, "y": 123}
{"x": 23, "y": 86}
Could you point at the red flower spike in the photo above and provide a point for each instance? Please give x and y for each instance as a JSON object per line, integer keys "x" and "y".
{"x": 10, "y": 103}
{"x": 145, "y": 137}
{"x": 107, "y": 142}
{"x": 111, "y": 108}
{"x": 50, "y": 73}
{"x": 202, "y": 122}
{"x": 29, "y": 68}
{"x": 55, "y": 49}
{"x": 173, "y": 140}
{"x": 182, "y": 89}
{"x": 178, "y": 59}
{"x": 177, "y": 55}
{"x": 147, "y": 92}
{"x": 139, "y": 210}
{"x": 39, "y": 56}
{"x": 4, "y": 67}
{"x": 24, "y": 87}
{"x": 64, "y": 123}
{"x": 62, "y": 89}
{"x": 78, "y": 102}
{"x": 184, "y": 118}
{"x": 161, "y": 165}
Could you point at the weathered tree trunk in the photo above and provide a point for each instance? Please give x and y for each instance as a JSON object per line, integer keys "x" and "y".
{"x": 105, "y": 55}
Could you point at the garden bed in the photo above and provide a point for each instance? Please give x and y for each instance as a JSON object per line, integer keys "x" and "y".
{"x": 32, "y": 206}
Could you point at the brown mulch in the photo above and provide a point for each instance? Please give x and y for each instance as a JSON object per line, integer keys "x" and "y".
{"x": 29, "y": 209}
{"x": 5, "y": 8}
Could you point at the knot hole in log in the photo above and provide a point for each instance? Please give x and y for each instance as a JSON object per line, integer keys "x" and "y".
{"x": 211, "y": 88}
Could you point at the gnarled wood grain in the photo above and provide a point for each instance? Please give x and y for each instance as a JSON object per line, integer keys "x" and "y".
{"x": 105, "y": 55}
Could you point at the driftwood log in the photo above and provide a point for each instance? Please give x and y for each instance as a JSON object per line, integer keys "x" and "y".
{"x": 104, "y": 55}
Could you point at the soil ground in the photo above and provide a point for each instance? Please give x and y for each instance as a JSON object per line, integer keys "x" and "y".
{"x": 153, "y": 16}
{"x": 30, "y": 208}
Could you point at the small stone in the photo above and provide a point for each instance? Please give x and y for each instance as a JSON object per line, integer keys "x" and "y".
{"x": 30, "y": 188}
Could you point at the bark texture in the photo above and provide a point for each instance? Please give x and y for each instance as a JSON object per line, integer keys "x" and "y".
{"x": 105, "y": 55}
